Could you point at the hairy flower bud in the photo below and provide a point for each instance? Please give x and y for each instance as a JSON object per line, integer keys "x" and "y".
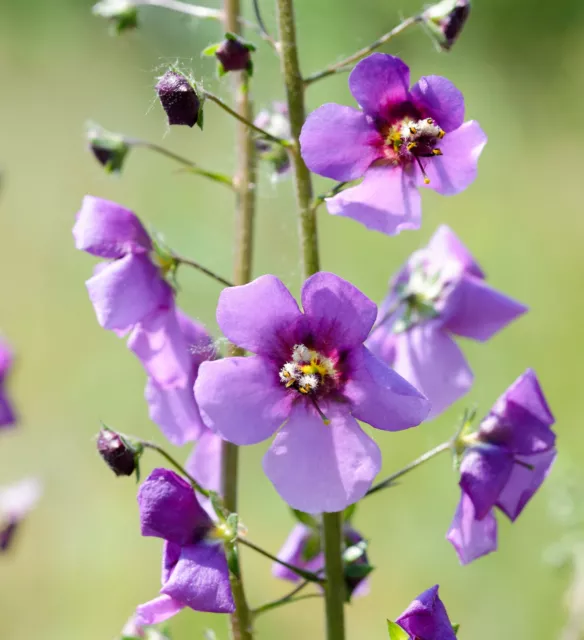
{"x": 123, "y": 14}
{"x": 234, "y": 54}
{"x": 120, "y": 455}
{"x": 446, "y": 20}
{"x": 109, "y": 148}
{"x": 180, "y": 99}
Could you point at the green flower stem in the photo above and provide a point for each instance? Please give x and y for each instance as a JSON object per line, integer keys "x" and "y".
{"x": 191, "y": 166}
{"x": 389, "y": 481}
{"x": 152, "y": 445}
{"x": 344, "y": 65}
{"x": 202, "y": 269}
{"x": 245, "y": 178}
{"x": 297, "y": 114}
{"x": 329, "y": 194}
{"x": 307, "y": 575}
{"x": 287, "y": 599}
{"x": 246, "y": 121}
{"x": 335, "y": 596}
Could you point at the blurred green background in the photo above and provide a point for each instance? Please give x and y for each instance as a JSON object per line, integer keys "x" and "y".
{"x": 80, "y": 565}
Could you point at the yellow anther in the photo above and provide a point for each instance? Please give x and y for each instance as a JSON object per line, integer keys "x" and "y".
{"x": 441, "y": 134}
{"x": 305, "y": 389}
{"x": 429, "y": 121}
{"x": 436, "y": 152}
{"x": 290, "y": 383}
{"x": 426, "y": 180}
{"x": 412, "y": 145}
{"x": 413, "y": 130}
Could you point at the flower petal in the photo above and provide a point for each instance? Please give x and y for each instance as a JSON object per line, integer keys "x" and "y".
{"x": 484, "y": 472}
{"x": 479, "y": 311}
{"x": 126, "y": 291}
{"x": 108, "y": 230}
{"x": 456, "y": 168}
{"x": 258, "y": 316}
{"x": 444, "y": 245}
{"x": 169, "y": 508}
{"x": 386, "y": 201}
{"x": 200, "y": 579}
{"x": 175, "y": 411}
{"x": 524, "y": 482}
{"x": 204, "y": 463}
{"x": 426, "y": 618}
{"x": 428, "y": 358}
{"x": 242, "y": 399}
{"x": 317, "y": 467}
{"x": 339, "y": 142}
{"x": 380, "y": 82}
{"x": 381, "y": 397}
{"x": 472, "y": 538}
{"x": 7, "y": 414}
{"x": 338, "y": 313}
{"x": 158, "y": 610}
{"x": 160, "y": 345}
{"x": 438, "y": 98}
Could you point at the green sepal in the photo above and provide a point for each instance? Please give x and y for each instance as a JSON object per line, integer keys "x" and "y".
{"x": 201, "y": 112}
{"x": 312, "y": 547}
{"x": 358, "y": 571}
{"x": 249, "y": 68}
{"x": 220, "y": 69}
{"x": 217, "y": 504}
{"x": 306, "y": 519}
{"x": 232, "y": 523}
{"x": 455, "y": 628}
{"x": 396, "y": 632}
{"x": 249, "y": 46}
{"x": 349, "y": 512}
{"x": 232, "y": 555}
{"x": 231, "y": 36}
{"x": 210, "y": 50}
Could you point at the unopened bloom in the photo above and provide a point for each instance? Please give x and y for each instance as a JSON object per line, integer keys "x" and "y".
{"x": 194, "y": 567}
{"x": 304, "y": 549}
{"x": 401, "y": 139}
{"x": 110, "y": 149}
{"x": 312, "y": 377}
{"x": 234, "y": 54}
{"x": 276, "y": 122}
{"x": 438, "y": 294}
{"x": 426, "y": 618}
{"x": 505, "y": 463}
{"x": 180, "y": 99}
{"x": 445, "y": 20}
{"x": 16, "y": 502}
{"x": 7, "y": 415}
{"x": 120, "y": 455}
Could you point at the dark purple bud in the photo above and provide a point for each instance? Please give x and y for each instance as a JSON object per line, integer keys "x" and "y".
{"x": 109, "y": 148}
{"x": 120, "y": 455}
{"x": 234, "y": 54}
{"x": 179, "y": 98}
{"x": 446, "y": 20}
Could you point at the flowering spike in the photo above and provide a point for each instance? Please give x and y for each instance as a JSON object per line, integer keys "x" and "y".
{"x": 123, "y": 14}
{"x": 180, "y": 99}
{"x": 109, "y": 148}
{"x": 446, "y": 20}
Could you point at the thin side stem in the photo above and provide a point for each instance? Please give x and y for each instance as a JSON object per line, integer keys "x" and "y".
{"x": 241, "y": 619}
{"x": 389, "y": 481}
{"x": 297, "y": 115}
{"x": 343, "y": 65}
{"x": 191, "y": 166}
{"x": 246, "y": 121}
{"x": 262, "y": 25}
{"x": 307, "y": 575}
{"x": 335, "y": 586}
{"x": 202, "y": 269}
{"x": 287, "y": 599}
{"x": 329, "y": 194}
{"x": 152, "y": 445}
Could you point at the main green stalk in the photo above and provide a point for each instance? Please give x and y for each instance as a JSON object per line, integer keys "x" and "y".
{"x": 332, "y": 522}
{"x": 241, "y": 622}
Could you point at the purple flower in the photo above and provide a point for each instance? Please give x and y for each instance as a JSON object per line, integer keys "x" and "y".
{"x": 194, "y": 567}
{"x": 312, "y": 377}
{"x": 7, "y": 415}
{"x": 172, "y": 349}
{"x": 16, "y": 502}
{"x": 438, "y": 294}
{"x": 401, "y": 139}
{"x": 426, "y": 618}
{"x": 130, "y": 288}
{"x": 303, "y": 549}
{"x": 505, "y": 463}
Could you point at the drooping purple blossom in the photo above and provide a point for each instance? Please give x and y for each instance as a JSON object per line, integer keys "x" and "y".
{"x": 313, "y": 377}
{"x": 401, "y": 139}
{"x": 16, "y": 502}
{"x": 505, "y": 463}
{"x": 7, "y": 414}
{"x": 426, "y": 618}
{"x": 179, "y": 97}
{"x": 194, "y": 566}
{"x": 303, "y": 549}
{"x": 438, "y": 294}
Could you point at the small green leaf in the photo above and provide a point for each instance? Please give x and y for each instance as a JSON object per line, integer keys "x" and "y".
{"x": 231, "y": 36}
{"x": 358, "y": 571}
{"x": 233, "y": 560}
{"x": 250, "y": 68}
{"x": 349, "y": 512}
{"x": 306, "y": 519}
{"x": 312, "y": 547}
{"x": 455, "y": 628}
{"x": 233, "y": 523}
{"x": 220, "y": 70}
{"x": 217, "y": 504}
{"x": 396, "y": 632}
{"x": 210, "y": 50}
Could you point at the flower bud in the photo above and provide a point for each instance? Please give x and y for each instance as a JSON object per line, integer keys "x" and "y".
{"x": 445, "y": 21}
{"x": 123, "y": 14}
{"x": 109, "y": 148}
{"x": 277, "y": 123}
{"x": 180, "y": 99}
{"x": 119, "y": 454}
{"x": 233, "y": 54}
